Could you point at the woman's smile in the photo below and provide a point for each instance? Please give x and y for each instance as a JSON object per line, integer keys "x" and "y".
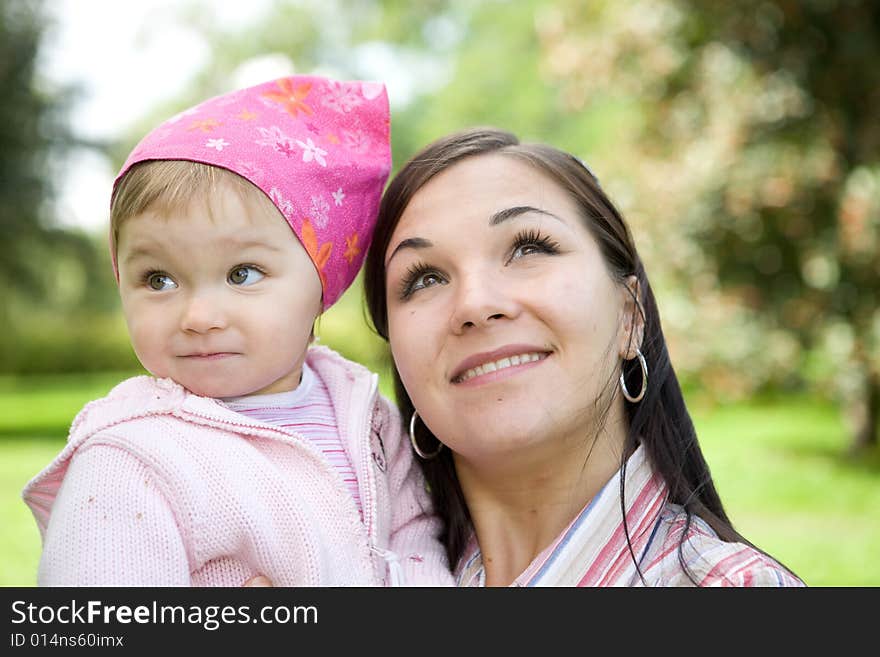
{"x": 488, "y": 367}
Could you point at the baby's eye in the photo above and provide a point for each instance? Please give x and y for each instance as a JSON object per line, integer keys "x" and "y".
{"x": 245, "y": 275}
{"x": 158, "y": 281}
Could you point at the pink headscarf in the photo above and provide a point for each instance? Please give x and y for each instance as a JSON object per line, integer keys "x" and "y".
{"x": 318, "y": 148}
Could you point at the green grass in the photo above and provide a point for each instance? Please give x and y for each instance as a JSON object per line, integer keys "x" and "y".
{"x": 20, "y": 549}
{"x": 40, "y": 406}
{"x": 35, "y": 413}
{"x": 783, "y": 472}
{"x": 780, "y": 467}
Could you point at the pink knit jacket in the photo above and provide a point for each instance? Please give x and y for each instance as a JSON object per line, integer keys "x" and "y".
{"x": 160, "y": 487}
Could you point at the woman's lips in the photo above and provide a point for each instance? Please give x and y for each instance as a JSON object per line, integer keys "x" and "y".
{"x": 500, "y": 363}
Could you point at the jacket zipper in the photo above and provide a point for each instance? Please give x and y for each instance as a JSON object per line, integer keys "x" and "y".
{"x": 259, "y": 429}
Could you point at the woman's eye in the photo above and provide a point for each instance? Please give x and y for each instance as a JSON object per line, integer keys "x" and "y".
{"x": 419, "y": 278}
{"x": 159, "y": 281}
{"x": 532, "y": 242}
{"x": 526, "y": 249}
{"x": 245, "y": 275}
{"x": 427, "y": 280}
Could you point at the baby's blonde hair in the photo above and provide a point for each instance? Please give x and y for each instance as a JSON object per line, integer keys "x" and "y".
{"x": 168, "y": 186}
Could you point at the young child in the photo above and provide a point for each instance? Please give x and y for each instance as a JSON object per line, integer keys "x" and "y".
{"x": 247, "y": 452}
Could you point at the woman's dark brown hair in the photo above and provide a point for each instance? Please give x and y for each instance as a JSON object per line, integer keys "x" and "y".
{"x": 660, "y": 421}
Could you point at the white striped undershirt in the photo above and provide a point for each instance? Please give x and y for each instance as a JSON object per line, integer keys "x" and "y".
{"x": 307, "y": 411}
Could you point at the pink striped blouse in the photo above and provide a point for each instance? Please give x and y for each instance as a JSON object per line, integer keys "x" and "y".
{"x": 593, "y": 550}
{"x": 308, "y": 412}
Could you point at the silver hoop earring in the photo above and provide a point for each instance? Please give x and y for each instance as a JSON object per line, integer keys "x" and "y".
{"x": 412, "y": 439}
{"x": 644, "y": 380}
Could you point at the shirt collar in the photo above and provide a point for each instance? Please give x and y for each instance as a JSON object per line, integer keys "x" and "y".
{"x": 592, "y": 550}
{"x": 286, "y": 399}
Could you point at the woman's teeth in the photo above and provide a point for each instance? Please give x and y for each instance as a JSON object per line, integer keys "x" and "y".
{"x": 499, "y": 364}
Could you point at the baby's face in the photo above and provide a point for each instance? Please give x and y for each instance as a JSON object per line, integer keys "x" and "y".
{"x": 220, "y": 298}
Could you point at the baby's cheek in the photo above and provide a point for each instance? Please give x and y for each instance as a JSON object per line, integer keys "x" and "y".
{"x": 147, "y": 347}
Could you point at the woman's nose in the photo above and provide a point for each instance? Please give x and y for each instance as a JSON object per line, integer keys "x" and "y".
{"x": 203, "y": 312}
{"x": 479, "y": 300}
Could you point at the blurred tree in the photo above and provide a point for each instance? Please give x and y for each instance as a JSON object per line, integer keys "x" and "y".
{"x": 759, "y": 133}
{"x": 736, "y": 137}
{"x": 801, "y": 235}
{"x": 56, "y": 272}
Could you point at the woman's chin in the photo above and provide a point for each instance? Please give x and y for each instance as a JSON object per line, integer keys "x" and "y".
{"x": 496, "y": 438}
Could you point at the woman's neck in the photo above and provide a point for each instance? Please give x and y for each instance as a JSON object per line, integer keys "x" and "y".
{"x": 519, "y": 506}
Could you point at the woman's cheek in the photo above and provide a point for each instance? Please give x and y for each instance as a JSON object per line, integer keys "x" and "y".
{"x": 400, "y": 353}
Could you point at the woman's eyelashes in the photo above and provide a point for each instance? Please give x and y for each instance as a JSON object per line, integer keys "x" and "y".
{"x": 421, "y": 275}
{"x": 418, "y": 276}
{"x": 532, "y": 241}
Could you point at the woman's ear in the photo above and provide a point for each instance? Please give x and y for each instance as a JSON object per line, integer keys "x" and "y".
{"x": 632, "y": 318}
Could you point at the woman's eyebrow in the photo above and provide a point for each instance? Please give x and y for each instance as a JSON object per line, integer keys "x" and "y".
{"x": 509, "y": 213}
{"x": 410, "y": 243}
{"x": 497, "y": 218}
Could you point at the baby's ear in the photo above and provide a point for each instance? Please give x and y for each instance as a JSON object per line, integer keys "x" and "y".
{"x": 632, "y": 318}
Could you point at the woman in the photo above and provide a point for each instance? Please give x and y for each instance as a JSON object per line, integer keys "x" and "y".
{"x": 532, "y": 369}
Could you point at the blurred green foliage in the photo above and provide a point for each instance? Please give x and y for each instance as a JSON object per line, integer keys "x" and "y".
{"x": 740, "y": 140}
{"x": 33, "y": 138}
{"x": 44, "y": 343}
{"x": 335, "y": 329}
{"x": 43, "y": 406}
